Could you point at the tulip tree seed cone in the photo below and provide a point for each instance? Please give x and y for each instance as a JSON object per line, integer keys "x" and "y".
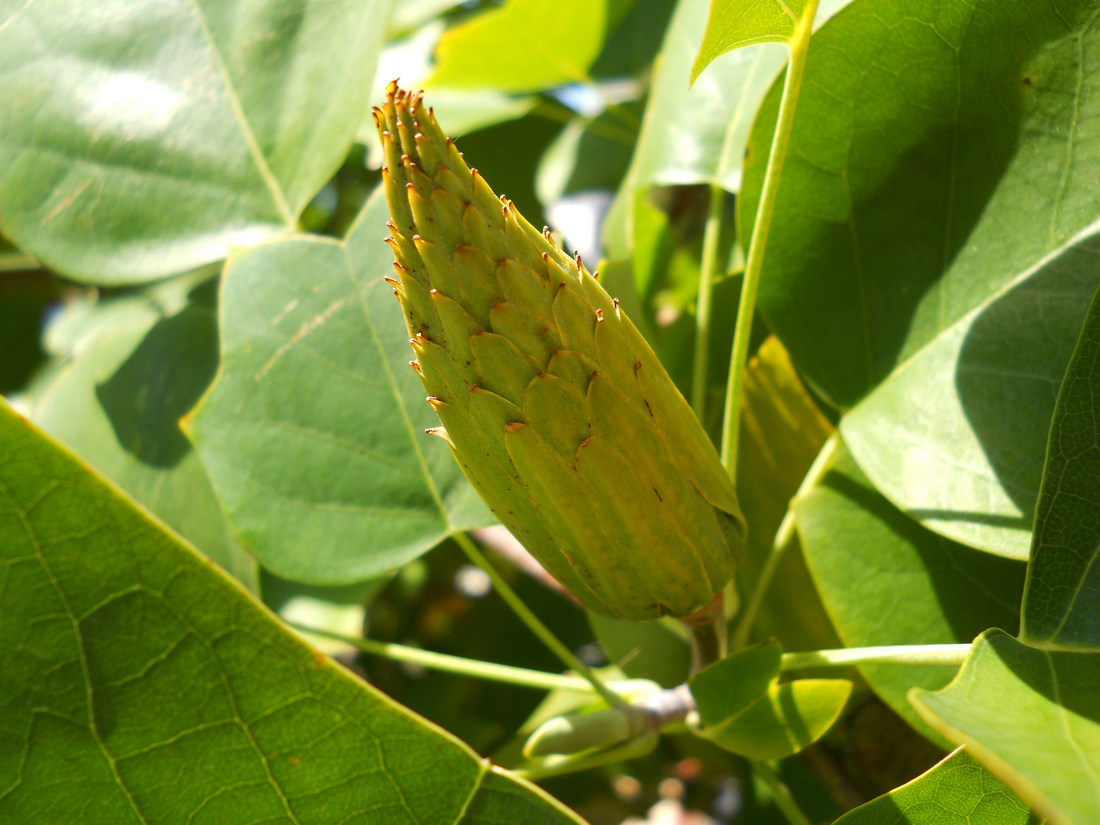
{"x": 556, "y": 408}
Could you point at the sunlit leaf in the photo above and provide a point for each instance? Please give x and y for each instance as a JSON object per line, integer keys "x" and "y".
{"x": 526, "y": 45}
{"x": 139, "y": 139}
{"x": 958, "y": 789}
{"x": 142, "y": 686}
{"x": 734, "y": 24}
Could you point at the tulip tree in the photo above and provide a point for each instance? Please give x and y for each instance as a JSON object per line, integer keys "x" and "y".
{"x": 803, "y": 458}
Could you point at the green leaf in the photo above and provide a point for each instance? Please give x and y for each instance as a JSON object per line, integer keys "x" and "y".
{"x": 117, "y": 403}
{"x": 1030, "y": 716}
{"x": 313, "y": 433}
{"x": 698, "y": 135}
{"x": 731, "y": 685}
{"x": 140, "y": 139}
{"x": 969, "y": 465}
{"x": 957, "y": 790}
{"x": 526, "y": 45}
{"x": 744, "y": 710}
{"x": 906, "y": 230}
{"x": 141, "y": 684}
{"x": 733, "y": 24}
{"x": 885, "y": 580}
{"x": 1062, "y": 600}
{"x": 786, "y": 719}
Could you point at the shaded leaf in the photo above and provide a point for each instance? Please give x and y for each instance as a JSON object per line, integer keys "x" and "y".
{"x": 1030, "y": 716}
{"x": 903, "y": 218}
{"x": 144, "y": 686}
{"x": 657, "y": 650}
{"x": 697, "y": 134}
{"x": 313, "y": 433}
{"x": 967, "y": 459}
{"x": 958, "y": 789}
{"x": 782, "y": 432}
{"x": 141, "y": 139}
{"x": 885, "y": 580}
{"x": 117, "y": 400}
{"x": 1062, "y": 601}
{"x": 24, "y": 300}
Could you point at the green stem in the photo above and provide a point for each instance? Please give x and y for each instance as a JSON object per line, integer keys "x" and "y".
{"x": 781, "y": 542}
{"x": 798, "y": 46}
{"x": 947, "y": 654}
{"x": 534, "y": 624}
{"x": 707, "y": 268}
{"x": 456, "y": 664}
{"x": 780, "y": 793}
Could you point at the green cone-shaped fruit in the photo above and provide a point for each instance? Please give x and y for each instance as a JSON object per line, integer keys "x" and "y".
{"x": 554, "y": 405}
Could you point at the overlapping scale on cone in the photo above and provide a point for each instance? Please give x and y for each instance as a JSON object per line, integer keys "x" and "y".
{"x": 554, "y": 405}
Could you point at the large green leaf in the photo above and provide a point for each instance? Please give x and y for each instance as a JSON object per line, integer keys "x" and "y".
{"x": 1062, "y": 600}
{"x": 313, "y": 432}
{"x": 1030, "y": 716}
{"x": 968, "y": 465}
{"x": 117, "y": 401}
{"x": 526, "y": 45}
{"x": 885, "y": 580}
{"x": 957, "y": 791}
{"x": 141, "y": 138}
{"x": 142, "y": 686}
{"x": 917, "y": 218}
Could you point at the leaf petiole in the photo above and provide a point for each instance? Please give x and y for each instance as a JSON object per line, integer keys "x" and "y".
{"x": 945, "y": 654}
{"x": 490, "y": 671}
{"x": 534, "y": 623}
{"x": 798, "y": 45}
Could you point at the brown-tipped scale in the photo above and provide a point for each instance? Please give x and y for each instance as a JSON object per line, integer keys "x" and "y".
{"x": 554, "y": 405}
